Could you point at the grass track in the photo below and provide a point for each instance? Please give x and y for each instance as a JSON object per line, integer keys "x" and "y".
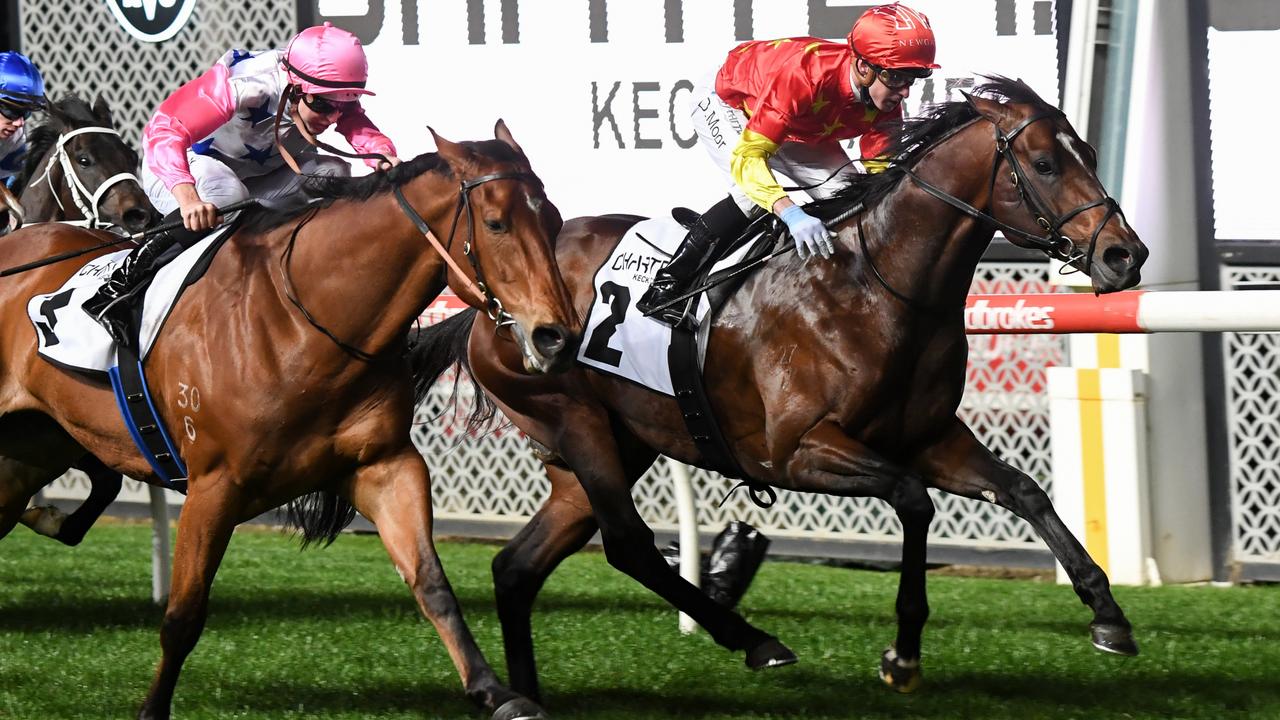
{"x": 334, "y": 634}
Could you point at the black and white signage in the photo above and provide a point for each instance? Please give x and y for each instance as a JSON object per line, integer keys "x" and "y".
{"x": 152, "y": 20}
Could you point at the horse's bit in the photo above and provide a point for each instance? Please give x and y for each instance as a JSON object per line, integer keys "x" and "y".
{"x": 85, "y": 200}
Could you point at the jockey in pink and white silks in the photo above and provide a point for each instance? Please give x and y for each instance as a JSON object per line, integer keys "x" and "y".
{"x": 213, "y": 142}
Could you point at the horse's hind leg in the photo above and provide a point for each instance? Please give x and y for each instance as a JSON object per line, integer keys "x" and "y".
{"x": 961, "y": 465}
{"x": 208, "y": 518}
{"x": 104, "y": 487}
{"x": 560, "y": 528}
{"x": 395, "y": 495}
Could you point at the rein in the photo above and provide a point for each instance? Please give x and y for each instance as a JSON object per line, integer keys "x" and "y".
{"x": 86, "y": 201}
{"x": 493, "y": 306}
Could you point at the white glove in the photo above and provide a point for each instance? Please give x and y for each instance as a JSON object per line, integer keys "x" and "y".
{"x": 811, "y": 236}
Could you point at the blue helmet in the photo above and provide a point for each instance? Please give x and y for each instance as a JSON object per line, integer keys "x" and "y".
{"x": 20, "y": 81}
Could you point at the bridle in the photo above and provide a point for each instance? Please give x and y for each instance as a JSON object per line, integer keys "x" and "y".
{"x": 492, "y": 305}
{"x": 1053, "y": 243}
{"x": 85, "y": 200}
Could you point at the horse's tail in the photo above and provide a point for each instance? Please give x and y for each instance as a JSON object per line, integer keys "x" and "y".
{"x": 436, "y": 348}
{"x": 319, "y": 516}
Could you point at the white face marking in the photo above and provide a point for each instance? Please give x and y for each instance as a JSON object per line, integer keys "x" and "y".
{"x": 535, "y": 204}
{"x": 990, "y": 496}
{"x": 1065, "y": 139}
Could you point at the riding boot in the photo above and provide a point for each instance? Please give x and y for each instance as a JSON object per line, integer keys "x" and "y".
{"x": 724, "y": 219}
{"x": 111, "y": 305}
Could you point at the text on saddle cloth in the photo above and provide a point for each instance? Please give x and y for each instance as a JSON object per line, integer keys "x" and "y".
{"x": 69, "y": 338}
{"x": 619, "y": 340}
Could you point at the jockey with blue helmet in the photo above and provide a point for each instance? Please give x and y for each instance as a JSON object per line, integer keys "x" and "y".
{"x": 21, "y": 92}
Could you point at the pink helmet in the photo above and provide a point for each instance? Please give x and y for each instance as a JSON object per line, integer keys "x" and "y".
{"x": 327, "y": 60}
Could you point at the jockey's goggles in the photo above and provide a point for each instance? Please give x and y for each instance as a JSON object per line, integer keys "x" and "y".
{"x": 899, "y": 78}
{"x": 15, "y": 112}
{"x": 324, "y": 106}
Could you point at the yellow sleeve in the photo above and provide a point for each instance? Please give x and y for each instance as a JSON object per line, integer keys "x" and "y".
{"x": 749, "y": 167}
{"x": 876, "y": 165}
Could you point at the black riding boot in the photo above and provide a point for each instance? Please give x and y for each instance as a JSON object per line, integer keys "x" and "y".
{"x": 724, "y": 219}
{"x": 111, "y": 306}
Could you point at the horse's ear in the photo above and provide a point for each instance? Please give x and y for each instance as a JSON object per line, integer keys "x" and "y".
{"x": 988, "y": 108}
{"x": 102, "y": 111}
{"x": 452, "y": 152}
{"x": 501, "y": 132}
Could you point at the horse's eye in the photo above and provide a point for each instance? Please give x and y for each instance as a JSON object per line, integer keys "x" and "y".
{"x": 1044, "y": 167}
{"x": 84, "y": 160}
{"x": 495, "y": 226}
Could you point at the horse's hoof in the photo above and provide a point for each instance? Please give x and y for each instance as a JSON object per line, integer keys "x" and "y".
{"x": 520, "y": 709}
{"x": 901, "y": 675}
{"x": 770, "y": 653}
{"x": 1117, "y": 639}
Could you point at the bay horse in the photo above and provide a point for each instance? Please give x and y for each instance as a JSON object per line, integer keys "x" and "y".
{"x": 283, "y": 372}
{"x": 78, "y": 169}
{"x": 840, "y": 377}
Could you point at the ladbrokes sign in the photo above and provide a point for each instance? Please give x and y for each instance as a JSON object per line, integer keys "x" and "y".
{"x": 152, "y": 20}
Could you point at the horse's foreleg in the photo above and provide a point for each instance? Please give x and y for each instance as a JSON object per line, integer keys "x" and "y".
{"x": 831, "y": 462}
{"x": 18, "y": 482}
{"x": 204, "y": 529}
{"x": 104, "y": 487}
{"x": 560, "y": 528}
{"x": 396, "y": 496}
{"x": 960, "y": 464}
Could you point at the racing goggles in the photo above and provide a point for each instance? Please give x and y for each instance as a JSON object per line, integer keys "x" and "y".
{"x": 324, "y": 106}
{"x": 899, "y": 78}
{"x": 13, "y": 111}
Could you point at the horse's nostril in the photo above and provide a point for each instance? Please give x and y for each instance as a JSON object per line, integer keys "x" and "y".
{"x": 136, "y": 218}
{"x": 1117, "y": 258}
{"x": 550, "y": 339}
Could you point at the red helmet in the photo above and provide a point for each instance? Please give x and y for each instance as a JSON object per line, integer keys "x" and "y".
{"x": 894, "y": 36}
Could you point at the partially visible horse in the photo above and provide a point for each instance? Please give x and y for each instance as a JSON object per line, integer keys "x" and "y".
{"x": 283, "y": 373}
{"x": 840, "y": 377}
{"x": 78, "y": 169}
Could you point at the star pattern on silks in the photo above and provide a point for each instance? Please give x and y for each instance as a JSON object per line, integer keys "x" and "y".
{"x": 259, "y": 113}
{"x": 819, "y": 102}
{"x": 256, "y": 155}
{"x": 831, "y": 127}
{"x": 239, "y": 56}
{"x": 202, "y": 147}
{"x": 776, "y": 43}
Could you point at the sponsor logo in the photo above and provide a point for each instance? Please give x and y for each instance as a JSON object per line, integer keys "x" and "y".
{"x": 152, "y": 20}
{"x": 1018, "y": 316}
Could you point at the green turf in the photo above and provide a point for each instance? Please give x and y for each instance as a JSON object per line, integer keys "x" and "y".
{"x": 334, "y": 634}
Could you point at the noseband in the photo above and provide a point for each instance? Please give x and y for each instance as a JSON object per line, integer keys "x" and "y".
{"x": 492, "y": 305}
{"x": 1053, "y": 243}
{"x": 85, "y": 200}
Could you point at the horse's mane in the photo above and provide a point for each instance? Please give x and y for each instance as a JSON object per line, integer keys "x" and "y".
{"x": 326, "y": 189}
{"x": 913, "y": 138}
{"x": 67, "y": 111}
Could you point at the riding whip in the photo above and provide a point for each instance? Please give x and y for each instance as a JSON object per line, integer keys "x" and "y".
{"x": 171, "y": 225}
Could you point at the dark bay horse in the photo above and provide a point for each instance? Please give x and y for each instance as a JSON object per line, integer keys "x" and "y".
{"x": 283, "y": 372}
{"x": 840, "y": 377}
{"x": 78, "y": 169}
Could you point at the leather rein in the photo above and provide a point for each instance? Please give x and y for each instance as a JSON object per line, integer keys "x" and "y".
{"x": 479, "y": 288}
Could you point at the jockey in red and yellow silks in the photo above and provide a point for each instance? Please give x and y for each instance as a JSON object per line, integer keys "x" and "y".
{"x": 785, "y": 105}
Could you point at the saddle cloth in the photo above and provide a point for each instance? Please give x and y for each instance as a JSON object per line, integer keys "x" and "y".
{"x": 69, "y": 338}
{"x": 621, "y": 341}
